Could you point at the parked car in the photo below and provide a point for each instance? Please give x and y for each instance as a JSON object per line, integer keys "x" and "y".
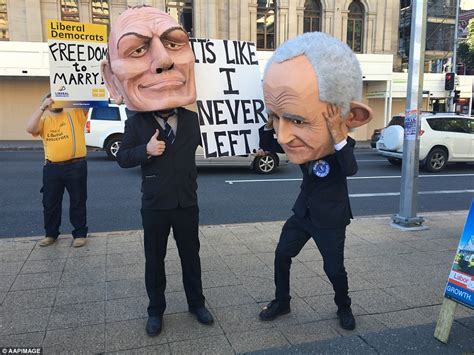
{"x": 375, "y": 137}
{"x": 105, "y": 126}
{"x": 444, "y": 138}
{"x": 396, "y": 120}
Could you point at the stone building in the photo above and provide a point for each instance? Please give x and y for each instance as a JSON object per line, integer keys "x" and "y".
{"x": 369, "y": 27}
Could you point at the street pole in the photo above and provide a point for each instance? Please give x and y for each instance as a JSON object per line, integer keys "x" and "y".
{"x": 453, "y": 65}
{"x": 407, "y": 218}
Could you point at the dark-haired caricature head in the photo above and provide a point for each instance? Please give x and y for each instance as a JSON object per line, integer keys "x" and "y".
{"x": 150, "y": 64}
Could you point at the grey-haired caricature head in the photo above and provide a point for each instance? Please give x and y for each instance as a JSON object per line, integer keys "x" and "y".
{"x": 150, "y": 64}
{"x": 303, "y": 76}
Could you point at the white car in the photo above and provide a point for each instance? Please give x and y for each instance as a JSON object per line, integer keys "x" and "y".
{"x": 105, "y": 126}
{"x": 444, "y": 137}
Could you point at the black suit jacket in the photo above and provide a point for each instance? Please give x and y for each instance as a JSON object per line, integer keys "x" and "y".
{"x": 327, "y": 198}
{"x": 267, "y": 140}
{"x": 168, "y": 180}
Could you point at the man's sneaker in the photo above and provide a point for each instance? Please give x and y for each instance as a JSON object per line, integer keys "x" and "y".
{"x": 47, "y": 241}
{"x": 273, "y": 310}
{"x": 79, "y": 242}
{"x": 346, "y": 318}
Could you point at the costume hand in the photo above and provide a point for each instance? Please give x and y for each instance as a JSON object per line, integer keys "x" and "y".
{"x": 334, "y": 122}
{"x": 46, "y": 104}
{"x": 155, "y": 147}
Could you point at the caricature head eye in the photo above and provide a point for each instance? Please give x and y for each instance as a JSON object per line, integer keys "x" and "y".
{"x": 172, "y": 45}
{"x": 296, "y": 122}
{"x": 140, "y": 51}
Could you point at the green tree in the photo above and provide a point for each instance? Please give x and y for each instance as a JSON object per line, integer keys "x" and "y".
{"x": 466, "y": 49}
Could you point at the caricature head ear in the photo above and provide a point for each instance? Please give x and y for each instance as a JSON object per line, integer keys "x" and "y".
{"x": 359, "y": 115}
{"x": 109, "y": 79}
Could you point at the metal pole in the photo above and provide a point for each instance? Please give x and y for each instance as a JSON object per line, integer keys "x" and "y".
{"x": 407, "y": 217}
{"x": 453, "y": 68}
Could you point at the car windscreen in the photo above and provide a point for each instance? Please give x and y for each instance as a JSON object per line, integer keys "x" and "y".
{"x": 105, "y": 114}
{"x": 397, "y": 121}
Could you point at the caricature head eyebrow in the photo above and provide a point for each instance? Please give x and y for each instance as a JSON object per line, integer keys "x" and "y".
{"x": 290, "y": 116}
{"x": 132, "y": 34}
{"x": 164, "y": 34}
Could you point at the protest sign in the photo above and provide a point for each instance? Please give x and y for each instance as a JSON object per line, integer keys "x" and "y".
{"x": 75, "y": 52}
{"x": 229, "y": 98}
{"x": 460, "y": 286}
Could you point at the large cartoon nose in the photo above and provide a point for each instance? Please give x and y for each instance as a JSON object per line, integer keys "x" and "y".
{"x": 161, "y": 58}
{"x": 284, "y": 131}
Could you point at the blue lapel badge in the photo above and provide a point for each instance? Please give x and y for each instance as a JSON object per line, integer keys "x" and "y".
{"x": 321, "y": 168}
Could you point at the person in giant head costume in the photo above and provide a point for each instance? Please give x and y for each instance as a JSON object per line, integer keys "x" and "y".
{"x": 150, "y": 66}
{"x": 312, "y": 89}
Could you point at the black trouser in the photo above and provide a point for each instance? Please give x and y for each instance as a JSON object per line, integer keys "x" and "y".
{"x": 156, "y": 226}
{"x": 73, "y": 177}
{"x": 330, "y": 242}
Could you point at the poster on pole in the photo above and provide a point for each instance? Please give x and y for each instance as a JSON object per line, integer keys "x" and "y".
{"x": 229, "y": 98}
{"x": 460, "y": 286}
{"x": 75, "y": 52}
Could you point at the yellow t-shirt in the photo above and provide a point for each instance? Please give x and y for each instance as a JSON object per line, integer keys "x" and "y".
{"x": 63, "y": 135}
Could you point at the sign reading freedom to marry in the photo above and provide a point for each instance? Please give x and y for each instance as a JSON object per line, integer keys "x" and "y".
{"x": 75, "y": 52}
{"x": 229, "y": 99}
{"x": 460, "y": 286}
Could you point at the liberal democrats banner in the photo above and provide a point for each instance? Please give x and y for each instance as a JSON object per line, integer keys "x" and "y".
{"x": 460, "y": 287}
{"x": 229, "y": 98}
{"x": 75, "y": 52}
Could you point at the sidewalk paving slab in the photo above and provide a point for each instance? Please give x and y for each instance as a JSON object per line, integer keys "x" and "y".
{"x": 93, "y": 299}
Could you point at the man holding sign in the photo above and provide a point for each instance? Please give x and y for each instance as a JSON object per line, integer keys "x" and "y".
{"x": 312, "y": 86}
{"x": 151, "y": 67}
{"x": 65, "y": 167}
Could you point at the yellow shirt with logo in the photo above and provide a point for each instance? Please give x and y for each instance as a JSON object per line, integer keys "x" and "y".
{"x": 63, "y": 135}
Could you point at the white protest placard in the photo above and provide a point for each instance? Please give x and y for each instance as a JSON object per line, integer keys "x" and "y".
{"x": 229, "y": 96}
{"x": 75, "y": 52}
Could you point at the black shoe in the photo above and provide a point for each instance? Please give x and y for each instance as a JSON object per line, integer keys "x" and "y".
{"x": 274, "y": 309}
{"x": 346, "y": 318}
{"x": 203, "y": 315}
{"x": 154, "y": 325}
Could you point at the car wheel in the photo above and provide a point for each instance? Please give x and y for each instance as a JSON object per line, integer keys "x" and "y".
{"x": 395, "y": 161}
{"x": 112, "y": 146}
{"x": 436, "y": 160}
{"x": 266, "y": 164}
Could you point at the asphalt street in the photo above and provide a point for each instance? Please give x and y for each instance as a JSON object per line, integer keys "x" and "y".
{"x": 226, "y": 195}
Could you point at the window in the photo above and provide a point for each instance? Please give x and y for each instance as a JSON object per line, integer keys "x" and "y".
{"x": 266, "y": 11}
{"x": 312, "y": 16}
{"x": 355, "y": 26}
{"x": 3, "y": 20}
{"x": 105, "y": 114}
{"x": 182, "y": 12}
{"x": 70, "y": 10}
{"x": 100, "y": 12}
{"x": 456, "y": 124}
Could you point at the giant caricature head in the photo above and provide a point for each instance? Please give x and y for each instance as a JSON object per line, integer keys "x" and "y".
{"x": 303, "y": 76}
{"x": 150, "y": 64}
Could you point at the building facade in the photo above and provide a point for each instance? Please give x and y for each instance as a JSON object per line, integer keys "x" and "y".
{"x": 369, "y": 27}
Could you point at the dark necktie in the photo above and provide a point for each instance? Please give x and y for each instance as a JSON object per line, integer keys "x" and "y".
{"x": 164, "y": 115}
{"x": 169, "y": 134}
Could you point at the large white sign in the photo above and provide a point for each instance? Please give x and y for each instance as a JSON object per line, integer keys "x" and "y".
{"x": 75, "y": 52}
{"x": 229, "y": 96}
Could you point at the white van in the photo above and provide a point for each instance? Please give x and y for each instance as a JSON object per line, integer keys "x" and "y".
{"x": 105, "y": 126}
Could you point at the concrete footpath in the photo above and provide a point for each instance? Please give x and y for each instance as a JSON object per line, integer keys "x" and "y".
{"x": 93, "y": 300}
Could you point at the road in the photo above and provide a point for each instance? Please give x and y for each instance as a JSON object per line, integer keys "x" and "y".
{"x": 226, "y": 195}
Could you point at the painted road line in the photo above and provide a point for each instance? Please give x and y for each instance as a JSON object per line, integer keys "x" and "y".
{"x": 383, "y": 194}
{"x": 230, "y": 182}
